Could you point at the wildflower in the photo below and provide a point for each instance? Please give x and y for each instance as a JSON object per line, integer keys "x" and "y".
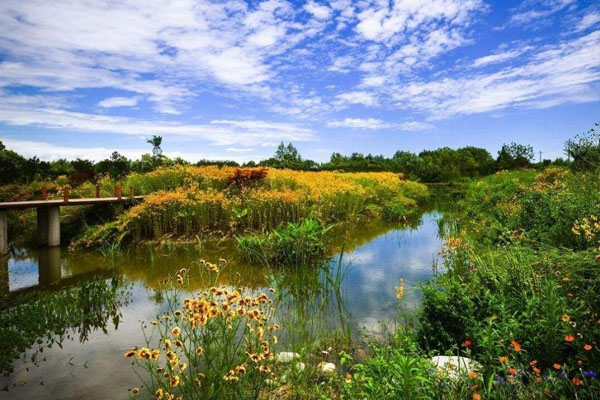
{"x": 576, "y": 381}
{"x": 167, "y": 343}
{"x": 199, "y": 351}
{"x": 159, "y": 394}
{"x": 538, "y": 379}
{"x": 587, "y": 347}
{"x": 144, "y": 353}
{"x": 135, "y": 390}
{"x": 533, "y": 362}
{"x": 473, "y": 375}
{"x": 178, "y": 343}
{"x": 468, "y": 343}
{"x": 536, "y": 370}
{"x": 499, "y": 381}
{"x": 176, "y": 331}
{"x": 476, "y": 396}
{"x": 566, "y": 318}
{"x": 512, "y": 371}
{"x": 240, "y": 369}
{"x": 569, "y": 338}
{"x": 503, "y": 359}
{"x": 264, "y": 369}
{"x": 516, "y": 346}
{"x": 175, "y": 381}
{"x": 182, "y": 366}
{"x": 348, "y": 378}
{"x": 155, "y": 354}
{"x": 129, "y": 353}
{"x": 400, "y": 290}
{"x": 556, "y": 366}
{"x": 230, "y": 376}
{"x": 590, "y": 374}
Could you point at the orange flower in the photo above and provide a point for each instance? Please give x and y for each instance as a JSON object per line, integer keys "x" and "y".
{"x": 503, "y": 359}
{"x": 576, "y": 381}
{"x": 569, "y": 338}
{"x": 536, "y": 370}
{"x": 557, "y": 366}
{"x": 587, "y": 347}
{"x": 473, "y": 374}
{"x": 516, "y": 346}
{"x": 533, "y": 362}
{"x": 566, "y": 318}
{"x": 512, "y": 371}
{"x": 476, "y": 396}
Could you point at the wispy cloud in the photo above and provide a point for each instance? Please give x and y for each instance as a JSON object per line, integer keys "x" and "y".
{"x": 50, "y": 152}
{"x": 218, "y": 132}
{"x": 119, "y": 102}
{"x": 377, "y": 124}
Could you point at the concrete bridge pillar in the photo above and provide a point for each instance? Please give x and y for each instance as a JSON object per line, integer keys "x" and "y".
{"x": 3, "y": 233}
{"x": 48, "y": 225}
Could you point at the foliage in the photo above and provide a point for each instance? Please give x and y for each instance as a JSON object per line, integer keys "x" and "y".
{"x": 291, "y": 244}
{"x": 585, "y": 150}
{"x": 513, "y": 156}
{"x": 186, "y": 200}
{"x": 519, "y": 294}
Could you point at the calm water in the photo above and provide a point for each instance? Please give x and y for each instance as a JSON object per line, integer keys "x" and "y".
{"x": 352, "y": 296}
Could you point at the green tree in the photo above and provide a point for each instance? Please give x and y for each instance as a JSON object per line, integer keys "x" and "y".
{"x": 155, "y": 141}
{"x": 513, "y": 156}
{"x": 117, "y": 166}
{"x": 585, "y": 150}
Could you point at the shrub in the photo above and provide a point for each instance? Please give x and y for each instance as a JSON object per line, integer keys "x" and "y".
{"x": 291, "y": 244}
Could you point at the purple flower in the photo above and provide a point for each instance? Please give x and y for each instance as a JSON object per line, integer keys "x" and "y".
{"x": 499, "y": 381}
{"x": 563, "y": 373}
{"x": 590, "y": 374}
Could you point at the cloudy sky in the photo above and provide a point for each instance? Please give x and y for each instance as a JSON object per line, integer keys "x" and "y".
{"x": 231, "y": 79}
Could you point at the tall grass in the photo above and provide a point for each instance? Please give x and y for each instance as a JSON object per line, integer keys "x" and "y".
{"x": 186, "y": 201}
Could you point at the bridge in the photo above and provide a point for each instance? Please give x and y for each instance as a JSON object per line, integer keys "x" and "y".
{"x": 48, "y": 214}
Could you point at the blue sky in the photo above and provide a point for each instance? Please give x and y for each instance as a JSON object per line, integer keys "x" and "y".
{"x": 231, "y": 79}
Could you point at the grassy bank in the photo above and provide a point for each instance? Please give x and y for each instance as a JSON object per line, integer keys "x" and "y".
{"x": 519, "y": 296}
{"x": 185, "y": 201}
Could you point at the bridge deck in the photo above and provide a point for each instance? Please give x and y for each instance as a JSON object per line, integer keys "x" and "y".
{"x": 62, "y": 203}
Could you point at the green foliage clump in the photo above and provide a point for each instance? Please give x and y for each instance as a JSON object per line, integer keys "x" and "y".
{"x": 302, "y": 243}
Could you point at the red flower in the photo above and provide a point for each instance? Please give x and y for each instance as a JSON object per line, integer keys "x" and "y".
{"x": 468, "y": 343}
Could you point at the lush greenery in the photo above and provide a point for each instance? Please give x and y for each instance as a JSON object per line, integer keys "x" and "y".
{"x": 185, "y": 201}
{"x": 302, "y": 243}
{"x": 519, "y": 295}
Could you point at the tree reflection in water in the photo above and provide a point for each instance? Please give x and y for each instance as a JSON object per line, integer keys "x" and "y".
{"x": 40, "y": 320}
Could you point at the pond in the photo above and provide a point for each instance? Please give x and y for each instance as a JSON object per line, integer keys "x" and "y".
{"x": 350, "y": 297}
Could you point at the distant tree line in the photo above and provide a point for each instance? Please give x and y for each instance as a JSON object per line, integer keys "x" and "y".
{"x": 440, "y": 165}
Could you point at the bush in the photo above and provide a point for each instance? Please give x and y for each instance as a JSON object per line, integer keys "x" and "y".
{"x": 301, "y": 243}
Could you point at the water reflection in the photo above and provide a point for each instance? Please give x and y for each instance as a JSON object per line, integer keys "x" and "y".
{"x": 348, "y": 296}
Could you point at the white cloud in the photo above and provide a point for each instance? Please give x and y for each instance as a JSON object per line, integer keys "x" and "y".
{"x": 50, "y": 152}
{"x": 374, "y": 123}
{"x": 318, "y": 10}
{"x": 496, "y": 58}
{"x": 541, "y": 9}
{"x": 218, "y": 132}
{"x": 160, "y": 49}
{"x": 566, "y": 72}
{"x": 588, "y": 21}
{"x": 357, "y": 97}
{"x": 119, "y": 102}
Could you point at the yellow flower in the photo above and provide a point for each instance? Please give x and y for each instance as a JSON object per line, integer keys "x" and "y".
{"x": 176, "y": 331}
{"x": 400, "y": 290}
{"x": 159, "y": 394}
{"x": 174, "y": 380}
{"x": 566, "y": 318}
